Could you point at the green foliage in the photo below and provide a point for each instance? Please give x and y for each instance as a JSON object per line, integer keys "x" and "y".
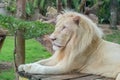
{"x": 76, "y": 4}
{"x": 31, "y": 28}
{"x": 11, "y": 5}
{"x": 29, "y": 8}
{"x": 35, "y": 3}
{"x": 64, "y": 2}
{"x": 104, "y": 12}
{"x": 42, "y": 3}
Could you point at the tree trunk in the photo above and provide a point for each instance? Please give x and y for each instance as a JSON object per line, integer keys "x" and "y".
{"x": 3, "y": 34}
{"x": 21, "y": 9}
{"x": 20, "y": 41}
{"x": 59, "y": 6}
{"x": 20, "y": 47}
{"x": 113, "y": 13}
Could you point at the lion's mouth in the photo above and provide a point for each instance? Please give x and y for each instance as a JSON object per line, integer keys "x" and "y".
{"x": 57, "y": 45}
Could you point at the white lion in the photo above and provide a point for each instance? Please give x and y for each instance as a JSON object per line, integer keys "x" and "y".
{"x": 78, "y": 46}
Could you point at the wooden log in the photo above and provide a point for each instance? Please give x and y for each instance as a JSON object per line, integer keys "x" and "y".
{"x": 3, "y": 34}
{"x": 69, "y": 76}
{"x": 22, "y": 78}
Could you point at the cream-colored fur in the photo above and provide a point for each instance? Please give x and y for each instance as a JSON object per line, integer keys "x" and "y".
{"x": 78, "y": 46}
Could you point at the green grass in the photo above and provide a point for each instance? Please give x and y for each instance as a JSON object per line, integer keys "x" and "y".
{"x": 115, "y": 37}
{"x": 34, "y": 52}
{"x": 6, "y": 53}
{"x": 7, "y": 75}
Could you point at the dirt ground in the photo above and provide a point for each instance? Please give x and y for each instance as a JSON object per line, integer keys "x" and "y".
{"x": 106, "y": 28}
{"x": 7, "y": 65}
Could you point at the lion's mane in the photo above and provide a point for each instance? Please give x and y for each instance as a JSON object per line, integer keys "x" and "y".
{"x": 87, "y": 37}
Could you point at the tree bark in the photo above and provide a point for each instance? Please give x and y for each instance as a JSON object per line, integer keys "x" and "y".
{"x": 20, "y": 41}
{"x": 21, "y": 9}
{"x": 59, "y": 6}
{"x": 3, "y": 34}
{"x": 20, "y": 47}
{"x": 113, "y": 13}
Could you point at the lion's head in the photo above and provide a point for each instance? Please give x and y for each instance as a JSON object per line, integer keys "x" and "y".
{"x": 74, "y": 29}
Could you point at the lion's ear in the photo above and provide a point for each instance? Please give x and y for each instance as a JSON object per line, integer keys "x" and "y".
{"x": 76, "y": 19}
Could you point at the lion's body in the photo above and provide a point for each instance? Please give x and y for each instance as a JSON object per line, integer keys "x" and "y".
{"x": 104, "y": 61}
{"x": 78, "y": 46}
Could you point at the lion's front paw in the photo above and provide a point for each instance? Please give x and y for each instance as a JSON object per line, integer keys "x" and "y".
{"x": 25, "y": 67}
{"x": 118, "y": 77}
{"x": 32, "y": 68}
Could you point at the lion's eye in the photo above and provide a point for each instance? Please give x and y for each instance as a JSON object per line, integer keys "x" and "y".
{"x": 63, "y": 27}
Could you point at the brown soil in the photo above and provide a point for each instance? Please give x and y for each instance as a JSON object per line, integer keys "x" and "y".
{"x": 5, "y": 66}
{"x": 106, "y": 28}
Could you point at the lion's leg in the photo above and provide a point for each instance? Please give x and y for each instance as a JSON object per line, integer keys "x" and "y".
{"x": 44, "y": 61}
{"x": 50, "y": 61}
{"x": 37, "y": 68}
{"x": 118, "y": 77}
{"x": 48, "y": 66}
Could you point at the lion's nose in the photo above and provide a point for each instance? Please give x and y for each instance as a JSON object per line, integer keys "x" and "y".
{"x": 52, "y": 38}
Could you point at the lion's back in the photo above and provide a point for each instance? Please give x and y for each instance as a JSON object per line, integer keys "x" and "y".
{"x": 111, "y": 52}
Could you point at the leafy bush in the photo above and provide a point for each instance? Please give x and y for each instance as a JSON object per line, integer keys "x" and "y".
{"x": 104, "y": 12}
{"x": 31, "y": 28}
